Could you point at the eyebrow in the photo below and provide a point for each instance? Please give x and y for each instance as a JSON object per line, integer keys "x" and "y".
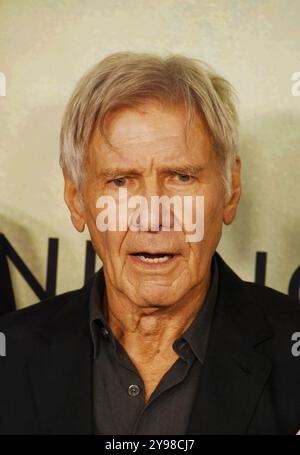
{"x": 113, "y": 171}
{"x": 180, "y": 169}
{"x": 184, "y": 169}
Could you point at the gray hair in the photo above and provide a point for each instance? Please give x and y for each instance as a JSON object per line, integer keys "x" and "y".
{"x": 127, "y": 79}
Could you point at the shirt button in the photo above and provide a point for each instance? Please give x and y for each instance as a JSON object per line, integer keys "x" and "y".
{"x": 133, "y": 390}
{"x": 105, "y": 332}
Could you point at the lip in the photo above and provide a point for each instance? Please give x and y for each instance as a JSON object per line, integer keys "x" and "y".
{"x": 164, "y": 252}
{"x": 153, "y": 266}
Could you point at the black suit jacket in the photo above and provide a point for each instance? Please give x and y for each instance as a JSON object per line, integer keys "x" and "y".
{"x": 250, "y": 382}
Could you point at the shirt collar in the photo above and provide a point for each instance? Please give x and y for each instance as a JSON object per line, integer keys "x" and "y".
{"x": 193, "y": 342}
{"x": 99, "y": 317}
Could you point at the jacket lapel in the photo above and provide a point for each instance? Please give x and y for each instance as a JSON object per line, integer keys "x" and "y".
{"x": 235, "y": 372}
{"x": 60, "y": 370}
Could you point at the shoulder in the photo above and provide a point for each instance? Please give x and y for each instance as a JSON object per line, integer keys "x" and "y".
{"x": 35, "y": 316}
{"x": 274, "y": 303}
{"x": 279, "y": 315}
{"x": 277, "y": 306}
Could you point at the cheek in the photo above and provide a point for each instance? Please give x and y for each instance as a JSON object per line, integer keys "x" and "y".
{"x": 213, "y": 205}
{"x": 213, "y": 215}
{"x": 107, "y": 245}
{"x": 213, "y": 221}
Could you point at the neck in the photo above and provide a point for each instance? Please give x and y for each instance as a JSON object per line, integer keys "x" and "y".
{"x": 148, "y": 333}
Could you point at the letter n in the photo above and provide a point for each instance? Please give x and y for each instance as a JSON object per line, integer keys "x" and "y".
{"x": 7, "y": 298}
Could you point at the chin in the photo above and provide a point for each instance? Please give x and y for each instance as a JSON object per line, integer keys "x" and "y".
{"x": 157, "y": 296}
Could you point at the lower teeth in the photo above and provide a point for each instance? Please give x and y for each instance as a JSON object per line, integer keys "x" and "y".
{"x": 154, "y": 260}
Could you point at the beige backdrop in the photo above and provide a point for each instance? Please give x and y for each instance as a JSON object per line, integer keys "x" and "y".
{"x": 45, "y": 46}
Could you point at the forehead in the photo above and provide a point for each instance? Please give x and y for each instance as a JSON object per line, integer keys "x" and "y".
{"x": 150, "y": 130}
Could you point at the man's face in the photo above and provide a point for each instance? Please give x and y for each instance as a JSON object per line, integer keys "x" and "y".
{"x": 149, "y": 156}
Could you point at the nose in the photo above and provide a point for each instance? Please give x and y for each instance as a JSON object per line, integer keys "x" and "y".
{"x": 151, "y": 209}
{"x": 147, "y": 218}
{"x": 144, "y": 217}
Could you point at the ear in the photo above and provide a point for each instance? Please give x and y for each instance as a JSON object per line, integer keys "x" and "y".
{"x": 73, "y": 201}
{"x": 230, "y": 208}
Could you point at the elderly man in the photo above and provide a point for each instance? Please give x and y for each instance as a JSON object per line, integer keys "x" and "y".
{"x": 166, "y": 338}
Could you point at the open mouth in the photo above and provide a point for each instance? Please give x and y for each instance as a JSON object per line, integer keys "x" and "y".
{"x": 153, "y": 258}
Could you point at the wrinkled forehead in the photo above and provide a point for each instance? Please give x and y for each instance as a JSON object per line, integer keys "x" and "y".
{"x": 149, "y": 131}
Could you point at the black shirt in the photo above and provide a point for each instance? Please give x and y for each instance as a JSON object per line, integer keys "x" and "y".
{"x": 118, "y": 390}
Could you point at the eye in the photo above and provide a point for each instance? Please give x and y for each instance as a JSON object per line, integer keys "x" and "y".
{"x": 120, "y": 181}
{"x": 184, "y": 177}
